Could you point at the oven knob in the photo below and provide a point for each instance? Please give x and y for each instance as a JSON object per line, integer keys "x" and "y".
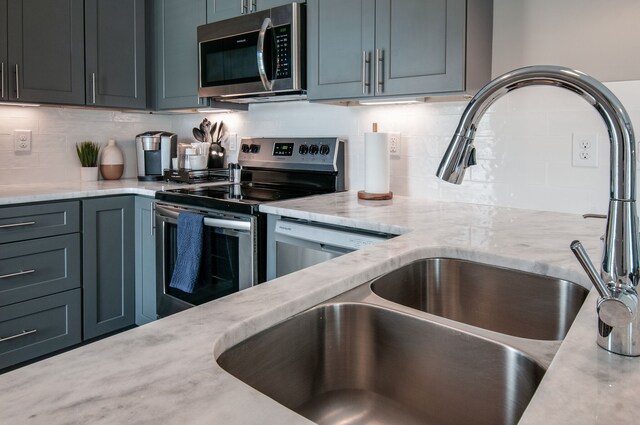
{"x": 254, "y": 148}
{"x": 313, "y": 149}
{"x": 303, "y": 149}
{"x": 324, "y": 149}
{"x": 245, "y": 148}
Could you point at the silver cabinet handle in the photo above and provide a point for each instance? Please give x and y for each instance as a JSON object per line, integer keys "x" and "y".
{"x": 243, "y": 7}
{"x": 2, "y": 80}
{"x": 266, "y": 24}
{"x": 379, "y": 71}
{"x": 93, "y": 87}
{"x": 23, "y": 333}
{"x": 17, "y": 82}
{"x": 366, "y": 74}
{"x": 153, "y": 219}
{"x": 8, "y": 226}
{"x": 253, "y": 6}
{"x": 20, "y": 273}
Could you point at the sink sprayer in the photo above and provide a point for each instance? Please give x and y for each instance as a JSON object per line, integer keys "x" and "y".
{"x": 618, "y": 321}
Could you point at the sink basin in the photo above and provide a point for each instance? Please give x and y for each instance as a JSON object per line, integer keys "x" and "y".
{"x": 502, "y": 300}
{"x": 348, "y": 363}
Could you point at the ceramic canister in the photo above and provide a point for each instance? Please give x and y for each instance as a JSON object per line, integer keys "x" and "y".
{"x": 111, "y": 161}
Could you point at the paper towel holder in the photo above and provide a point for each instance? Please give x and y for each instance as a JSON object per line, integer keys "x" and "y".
{"x": 371, "y": 196}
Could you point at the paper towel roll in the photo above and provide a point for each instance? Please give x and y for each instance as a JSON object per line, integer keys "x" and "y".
{"x": 376, "y": 162}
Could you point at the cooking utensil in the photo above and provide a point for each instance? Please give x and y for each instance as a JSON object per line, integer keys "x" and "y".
{"x": 198, "y": 134}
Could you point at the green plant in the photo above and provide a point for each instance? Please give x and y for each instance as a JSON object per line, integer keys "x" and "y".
{"x": 88, "y": 153}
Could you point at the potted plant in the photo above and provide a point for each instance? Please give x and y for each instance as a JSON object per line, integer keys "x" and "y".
{"x": 88, "y": 154}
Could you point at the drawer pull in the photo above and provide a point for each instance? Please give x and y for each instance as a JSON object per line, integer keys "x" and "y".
{"x": 26, "y": 223}
{"x": 23, "y": 333}
{"x": 20, "y": 273}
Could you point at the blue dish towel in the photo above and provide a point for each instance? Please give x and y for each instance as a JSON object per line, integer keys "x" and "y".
{"x": 187, "y": 268}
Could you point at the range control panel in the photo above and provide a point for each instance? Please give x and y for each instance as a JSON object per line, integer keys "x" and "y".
{"x": 300, "y": 153}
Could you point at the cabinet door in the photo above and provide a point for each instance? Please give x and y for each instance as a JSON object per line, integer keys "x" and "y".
{"x": 176, "y": 47}
{"x": 268, "y": 4}
{"x": 46, "y": 51}
{"x": 108, "y": 264}
{"x": 340, "y": 48}
{"x": 421, "y": 45}
{"x": 217, "y": 10}
{"x": 145, "y": 261}
{"x": 3, "y": 51}
{"x": 115, "y": 35}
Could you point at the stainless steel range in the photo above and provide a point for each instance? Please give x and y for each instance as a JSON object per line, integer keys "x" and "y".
{"x": 233, "y": 249}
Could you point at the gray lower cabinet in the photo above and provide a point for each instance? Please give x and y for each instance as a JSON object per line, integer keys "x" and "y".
{"x": 145, "y": 261}
{"x": 40, "y": 279}
{"x": 115, "y": 53}
{"x": 36, "y": 327}
{"x": 42, "y": 51}
{"x": 108, "y": 264}
{"x": 176, "y": 52}
{"x": 377, "y": 48}
{"x": 39, "y": 267}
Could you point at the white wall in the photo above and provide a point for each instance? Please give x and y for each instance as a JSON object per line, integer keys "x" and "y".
{"x": 524, "y": 145}
{"x": 597, "y": 37}
{"x": 55, "y": 133}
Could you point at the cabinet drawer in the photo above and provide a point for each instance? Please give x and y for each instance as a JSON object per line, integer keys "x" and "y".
{"x": 39, "y": 220}
{"x": 37, "y": 327}
{"x": 40, "y": 267}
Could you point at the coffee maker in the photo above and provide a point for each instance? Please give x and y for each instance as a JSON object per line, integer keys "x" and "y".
{"x": 154, "y": 150}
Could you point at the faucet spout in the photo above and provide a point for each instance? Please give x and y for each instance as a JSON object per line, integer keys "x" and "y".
{"x": 620, "y": 267}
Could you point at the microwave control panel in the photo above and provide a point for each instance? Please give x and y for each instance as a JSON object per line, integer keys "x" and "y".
{"x": 283, "y": 51}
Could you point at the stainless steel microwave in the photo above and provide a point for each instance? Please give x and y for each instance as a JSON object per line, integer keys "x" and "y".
{"x": 261, "y": 54}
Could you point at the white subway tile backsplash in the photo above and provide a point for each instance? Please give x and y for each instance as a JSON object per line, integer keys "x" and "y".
{"x": 523, "y": 143}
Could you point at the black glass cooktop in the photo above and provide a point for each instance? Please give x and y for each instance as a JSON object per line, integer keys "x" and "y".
{"x": 243, "y": 197}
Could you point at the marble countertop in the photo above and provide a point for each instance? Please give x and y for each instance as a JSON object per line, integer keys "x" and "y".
{"x": 165, "y": 372}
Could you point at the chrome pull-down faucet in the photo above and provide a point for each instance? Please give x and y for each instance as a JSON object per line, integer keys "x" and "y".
{"x": 617, "y": 282}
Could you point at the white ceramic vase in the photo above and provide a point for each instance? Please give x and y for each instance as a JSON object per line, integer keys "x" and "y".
{"x": 89, "y": 174}
{"x": 111, "y": 161}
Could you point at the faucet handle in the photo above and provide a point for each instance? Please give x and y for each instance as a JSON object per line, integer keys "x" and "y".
{"x": 616, "y": 307}
{"x": 619, "y": 310}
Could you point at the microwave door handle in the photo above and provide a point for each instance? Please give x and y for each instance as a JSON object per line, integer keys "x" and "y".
{"x": 266, "y": 24}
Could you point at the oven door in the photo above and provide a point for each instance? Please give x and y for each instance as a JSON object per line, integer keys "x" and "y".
{"x": 229, "y": 258}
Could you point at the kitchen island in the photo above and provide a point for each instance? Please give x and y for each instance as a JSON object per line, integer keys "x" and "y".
{"x": 165, "y": 372}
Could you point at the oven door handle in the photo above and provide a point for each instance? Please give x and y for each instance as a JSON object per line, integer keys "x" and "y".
{"x": 266, "y": 24}
{"x": 221, "y": 223}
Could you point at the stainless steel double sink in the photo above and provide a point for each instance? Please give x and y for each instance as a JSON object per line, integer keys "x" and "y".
{"x": 439, "y": 341}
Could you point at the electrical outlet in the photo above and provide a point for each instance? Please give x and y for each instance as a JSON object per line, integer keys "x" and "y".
{"x": 22, "y": 140}
{"x": 233, "y": 142}
{"x": 394, "y": 143}
{"x": 585, "y": 150}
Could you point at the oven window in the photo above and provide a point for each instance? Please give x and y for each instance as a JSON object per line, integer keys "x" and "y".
{"x": 234, "y": 60}
{"x": 219, "y": 269}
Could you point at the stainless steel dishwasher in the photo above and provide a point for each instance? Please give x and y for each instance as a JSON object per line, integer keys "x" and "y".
{"x": 296, "y": 244}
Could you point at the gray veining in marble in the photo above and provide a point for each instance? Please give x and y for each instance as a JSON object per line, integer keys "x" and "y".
{"x": 165, "y": 372}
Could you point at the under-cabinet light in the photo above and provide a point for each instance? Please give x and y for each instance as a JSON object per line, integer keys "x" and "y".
{"x": 19, "y": 104}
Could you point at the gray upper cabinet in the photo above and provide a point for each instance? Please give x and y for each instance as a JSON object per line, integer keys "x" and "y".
{"x": 108, "y": 264}
{"x": 340, "y": 38}
{"x": 44, "y": 42}
{"x": 376, "y": 48}
{"x": 4, "y": 92}
{"x": 176, "y": 52}
{"x": 217, "y": 10}
{"x": 115, "y": 53}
